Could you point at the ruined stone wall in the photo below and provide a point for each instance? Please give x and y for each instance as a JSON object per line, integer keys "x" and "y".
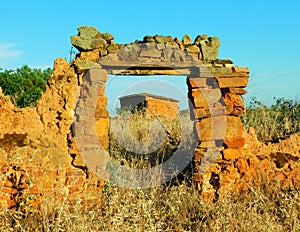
{"x": 161, "y": 109}
{"x": 37, "y": 149}
{"x": 41, "y": 152}
{"x": 215, "y": 86}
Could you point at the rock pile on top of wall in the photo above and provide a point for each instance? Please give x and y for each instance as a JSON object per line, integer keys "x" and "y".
{"x": 94, "y": 45}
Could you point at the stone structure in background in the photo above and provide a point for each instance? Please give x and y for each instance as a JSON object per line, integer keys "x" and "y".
{"x": 38, "y": 153}
{"x": 152, "y": 106}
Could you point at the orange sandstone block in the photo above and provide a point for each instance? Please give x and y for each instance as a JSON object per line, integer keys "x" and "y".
{"x": 235, "y": 142}
{"x": 101, "y": 125}
{"x": 231, "y": 154}
{"x": 206, "y": 98}
{"x": 220, "y": 127}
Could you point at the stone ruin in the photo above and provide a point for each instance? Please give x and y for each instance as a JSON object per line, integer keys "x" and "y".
{"x": 151, "y": 105}
{"x": 41, "y": 156}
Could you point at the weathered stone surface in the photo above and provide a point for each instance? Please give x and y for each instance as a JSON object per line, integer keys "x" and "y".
{"x": 194, "y": 49}
{"x": 200, "y": 113}
{"x": 84, "y": 65}
{"x": 162, "y": 39}
{"x": 239, "y": 91}
{"x": 172, "y": 44}
{"x": 86, "y": 43}
{"x": 153, "y": 53}
{"x": 206, "y": 98}
{"x": 93, "y": 55}
{"x": 167, "y": 53}
{"x": 202, "y": 82}
{"x": 180, "y": 44}
{"x": 220, "y": 128}
{"x": 160, "y": 46}
{"x": 108, "y": 37}
{"x": 149, "y": 39}
{"x": 231, "y": 154}
{"x": 201, "y": 39}
{"x": 209, "y": 53}
{"x": 233, "y": 100}
{"x": 186, "y": 40}
{"x": 209, "y": 46}
{"x": 112, "y": 48}
{"x": 228, "y": 82}
{"x": 41, "y": 139}
{"x": 101, "y": 126}
{"x": 235, "y": 142}
{"x": 178, "y": 55}
{"x": 89, "y": 38}
{"x": 241, "y": 69}
{"x": 88, "y": 31}
{"x": 214, "y": 42}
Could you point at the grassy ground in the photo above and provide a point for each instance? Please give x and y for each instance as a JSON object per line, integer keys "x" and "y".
{"x": 176, "y": 207}
{"x": 165, "y": 208}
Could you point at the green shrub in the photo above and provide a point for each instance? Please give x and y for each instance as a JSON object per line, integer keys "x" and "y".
{"x": 24, "y": 85}
{"x": 275, "y": 122}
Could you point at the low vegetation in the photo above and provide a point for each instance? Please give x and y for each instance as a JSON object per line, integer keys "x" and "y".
{"x": 24, "y": 85}
{"x": 275, "y": 122}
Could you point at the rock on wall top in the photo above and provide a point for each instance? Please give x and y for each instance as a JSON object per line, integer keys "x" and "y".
{"x": 203, "y": 48}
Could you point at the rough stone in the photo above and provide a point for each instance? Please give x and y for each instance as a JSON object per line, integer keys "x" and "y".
{"x": 230, "y": 82}
{"x": 220, "y": 128}
{"x": 206, "y": 98}
{"x": 87, "y": 43}
{"x": 186, "y": 40}
{"x": 231, "y": 154}
{"x": 88, "y": 38}
{"x": 108, "y": 37}
{"x": 149, "y": 39}
{"x": 112, "y": 48}
{"x": 162, "y": 39}
{"x": 84, "y": 65}
{"x": 209, "y": 53}
{"x": 209, "y": 46}
{"x": 194, "y": 49}
{"x": 153, "y": 53}
{"x": 241, "y": 69}
{"x": 172, "y": 44}
{"x": 201, "y": 39}
{"x": 88, "y": 31}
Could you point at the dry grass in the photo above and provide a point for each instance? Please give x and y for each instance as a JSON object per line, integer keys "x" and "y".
{"x": 166, "y": 208}
{"x": 174, "y": 206}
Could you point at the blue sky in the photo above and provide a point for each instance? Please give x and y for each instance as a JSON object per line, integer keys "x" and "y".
{"x": 263, "y": 35}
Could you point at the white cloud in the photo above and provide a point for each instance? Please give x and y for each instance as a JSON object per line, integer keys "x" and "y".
{"x": 9, "y": 52}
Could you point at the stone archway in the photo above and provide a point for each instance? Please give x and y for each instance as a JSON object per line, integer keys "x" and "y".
{"x": 215, "y": 87}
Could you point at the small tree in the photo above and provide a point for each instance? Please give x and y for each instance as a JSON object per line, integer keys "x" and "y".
{"x": 24, "y": 85}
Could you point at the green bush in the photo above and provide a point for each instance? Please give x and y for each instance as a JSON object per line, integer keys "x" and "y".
{"x": 24, "y": 85}
{"x": 275, "y": 122}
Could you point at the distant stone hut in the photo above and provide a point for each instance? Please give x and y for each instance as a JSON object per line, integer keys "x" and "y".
{"x": 151, "y": 105}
